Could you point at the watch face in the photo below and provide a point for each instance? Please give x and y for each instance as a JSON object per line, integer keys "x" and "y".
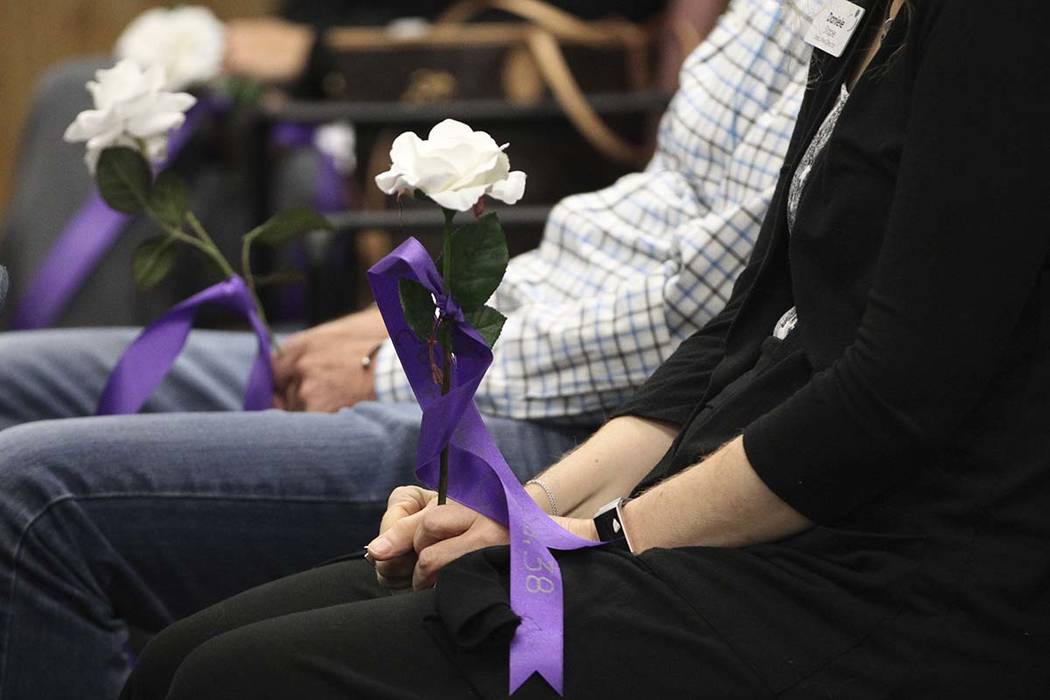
{"x": 607, "y": 523}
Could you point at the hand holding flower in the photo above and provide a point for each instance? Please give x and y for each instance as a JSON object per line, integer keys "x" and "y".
{"x": 419, "y": 539}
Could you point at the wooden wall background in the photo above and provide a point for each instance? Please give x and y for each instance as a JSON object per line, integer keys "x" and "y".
{"x": 36, "y": 34}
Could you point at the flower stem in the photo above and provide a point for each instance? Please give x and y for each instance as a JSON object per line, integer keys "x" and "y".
{"x": 246, "y": 269}
{"x": 446, "y": 346}
{"x": 204, "y": 243}
{"x": 249, "y": 279}
{"x": 446, "y": 384}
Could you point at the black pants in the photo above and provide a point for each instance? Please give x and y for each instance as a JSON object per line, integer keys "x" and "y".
{"x": 334, "y": 633}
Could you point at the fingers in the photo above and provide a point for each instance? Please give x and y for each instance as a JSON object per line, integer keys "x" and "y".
{"x": 447, "y": 533}
{"x": 392, "y": 552}
{"x": 284, "y": 362}
{"x": 402, "y": 502}
{"x": 292, "y": 398}
{"x": 438, "y": 524}
{"x": 435, "y": 557}
{"x": 399, "y": 525}
{"x": 405, "y": 503}
{"x": 397, "y": 572}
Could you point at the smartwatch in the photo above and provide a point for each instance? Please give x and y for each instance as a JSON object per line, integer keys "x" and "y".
{"x": 608, "y": 521}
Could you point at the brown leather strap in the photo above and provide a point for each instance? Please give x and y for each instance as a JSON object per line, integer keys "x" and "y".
{"x": 562, "y": 24}
{"x": 555, "y": 70}
{"x": 551, "y": 25}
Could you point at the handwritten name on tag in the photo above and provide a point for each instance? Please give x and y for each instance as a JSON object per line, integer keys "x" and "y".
{"x": 834, "y": 26}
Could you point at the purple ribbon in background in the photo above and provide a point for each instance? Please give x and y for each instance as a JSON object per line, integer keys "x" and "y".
{"x": 85, "y": 240}
{"x": 479, "y": 477}
{"x": 150, "y": 357}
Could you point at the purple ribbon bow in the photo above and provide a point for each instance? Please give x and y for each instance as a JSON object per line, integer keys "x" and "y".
{"x": 150, "y": 357}
{"x": 479, "y": 477}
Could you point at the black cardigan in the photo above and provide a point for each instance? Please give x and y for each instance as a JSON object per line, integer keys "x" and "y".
{"x": 909, "y": 413}
{"x": 917, "y": 264}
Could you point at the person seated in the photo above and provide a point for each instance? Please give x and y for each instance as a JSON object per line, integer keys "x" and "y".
{"x": 841, "y": 484}
{"x": 112, "y": 522}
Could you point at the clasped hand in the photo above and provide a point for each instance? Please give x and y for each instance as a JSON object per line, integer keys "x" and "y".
{"x": 320, "y": 369}
{"x": 418, "y": 538}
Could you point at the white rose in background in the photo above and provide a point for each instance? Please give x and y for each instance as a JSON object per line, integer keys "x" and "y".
{"x": 338, "y": 141}
{"x": 456, "y": 166}
{"x": 133, "y": 109}
{"x": 188, "y": 42}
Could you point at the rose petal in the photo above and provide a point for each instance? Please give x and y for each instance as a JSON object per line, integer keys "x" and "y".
{"x": 391, "y": 182}
{"x": 449, "y": 129}
{"x": 148, "y": 125}
{"x": 88, "y": 124}
{"x": 511, "y": 190}
{"x": 458, "y": 200}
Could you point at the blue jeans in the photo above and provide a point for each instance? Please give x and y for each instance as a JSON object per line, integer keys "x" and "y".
{"x": 135, "y": 521}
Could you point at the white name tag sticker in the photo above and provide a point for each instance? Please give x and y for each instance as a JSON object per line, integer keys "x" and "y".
{"x": 834, "y": 26}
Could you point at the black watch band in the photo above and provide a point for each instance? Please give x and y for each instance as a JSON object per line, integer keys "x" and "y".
{"x": 608, "y": 522}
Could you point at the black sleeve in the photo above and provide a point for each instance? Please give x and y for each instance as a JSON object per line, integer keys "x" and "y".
{"x": 967, "y": 235}
{"x": 679, "y": 384}
{"x": 675, "y": 388}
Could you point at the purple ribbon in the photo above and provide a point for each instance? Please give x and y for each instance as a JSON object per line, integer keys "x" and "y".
{"x": 88, "y": 236}
{"x": 479, "y": 477}
{"x": 150, "y": 357}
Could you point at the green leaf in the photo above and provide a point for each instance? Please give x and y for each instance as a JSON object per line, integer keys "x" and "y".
{"x": 288, "y": 225}
{"x": 418, "y": 305}
{"x": 123, "y": 177}
{"x": 153, "y": 260}
{"x": 487, "y": 322}
{"x": 170, "y": 198}
{"x": 478, "y": 261}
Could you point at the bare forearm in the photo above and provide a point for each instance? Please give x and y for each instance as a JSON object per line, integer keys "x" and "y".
{"x": 720, "y": 502}
{"x": 607, "y": 466}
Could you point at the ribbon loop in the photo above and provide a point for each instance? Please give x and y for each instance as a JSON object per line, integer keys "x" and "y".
{"x": 150, "y": 357}
{"x": 479, "y": 477}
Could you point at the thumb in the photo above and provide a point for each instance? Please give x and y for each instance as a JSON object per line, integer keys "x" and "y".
{"x": 397, "y": 539}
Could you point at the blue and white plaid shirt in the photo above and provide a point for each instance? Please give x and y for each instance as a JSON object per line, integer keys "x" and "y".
{"x": 623, "y": 275}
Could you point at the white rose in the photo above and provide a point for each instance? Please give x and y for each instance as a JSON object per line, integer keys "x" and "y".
{"x": 188, "y": 42}
{"x": 131, "y": 109}
{"x": 455, "y": 167}
{"x": 338, "y": 141}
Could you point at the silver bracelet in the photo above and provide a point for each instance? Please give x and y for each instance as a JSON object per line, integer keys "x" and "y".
{"x": 550, "y": 495}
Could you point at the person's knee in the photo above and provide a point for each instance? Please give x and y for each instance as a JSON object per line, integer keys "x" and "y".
{"x": 162, "y": 656}
{"x": 246, "y": 662}
{"x": 55, "y": 373}
{"x": 31, "y": 477}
